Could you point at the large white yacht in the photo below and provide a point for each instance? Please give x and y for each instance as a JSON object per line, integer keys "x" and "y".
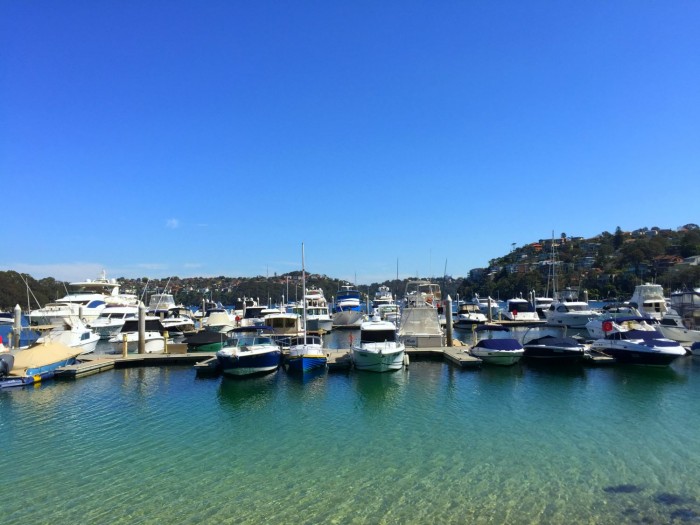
{"x": 84, "y": 299}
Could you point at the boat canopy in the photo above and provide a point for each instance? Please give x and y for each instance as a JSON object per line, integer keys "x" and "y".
{"x": 499, "y": 344}
{"x": 550, "y": 340}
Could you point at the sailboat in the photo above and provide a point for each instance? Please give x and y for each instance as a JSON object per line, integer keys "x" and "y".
{"x": 305, "y": 353}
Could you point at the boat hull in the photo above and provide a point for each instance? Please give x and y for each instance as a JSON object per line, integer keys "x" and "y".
{"x": 635, "y": 356}
{"x": 306, "y": 363}
{"x": 347, "y": 319}
{"x": 245, "y": 365}
{"x": 552, "y": 355}
{"x": 318, "y": 325}
{"x": 496, "y": 357}
{"x": 376, "y": 360}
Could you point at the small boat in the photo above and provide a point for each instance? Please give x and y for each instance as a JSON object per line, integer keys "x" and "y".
{"x": 154, "y": 342}
{"x": 640, "y": 347}
{"x": 570, "y": 314}
{"x": 251, "y": 350}
{"x": 467, "y": 315}
{"x": 672, "y": 326}
{"x": 73, "y": 334}
{"x": 382, "y": 296}
{"x": 521, "y": 312}
{"x": 318, "y": 317}
{"x": 554, "y": 349}
{"x": 34, "y": 364}
{"x": 177, "y": 320}
{"x": 378, "y": 348}
{"x": 499, "y": 348}
{"x": 306, "y": 353}
{"x": 110, "y": 321}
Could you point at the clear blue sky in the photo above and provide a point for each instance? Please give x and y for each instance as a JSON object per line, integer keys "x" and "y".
{"x": 161, "y": 138}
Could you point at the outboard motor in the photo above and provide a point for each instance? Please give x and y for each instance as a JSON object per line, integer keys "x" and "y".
{"x": 7, "y": 361}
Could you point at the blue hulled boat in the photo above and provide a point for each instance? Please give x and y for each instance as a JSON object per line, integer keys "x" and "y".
{"x": 306, "y": 354}
{"x": 251, "y": 350}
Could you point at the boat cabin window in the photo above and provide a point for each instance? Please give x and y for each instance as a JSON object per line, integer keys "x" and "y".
{"x": 95, "y": 304}
{"x": 377, "y": 336}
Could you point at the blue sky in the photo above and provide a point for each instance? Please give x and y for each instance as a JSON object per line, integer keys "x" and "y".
{"x": 188, "y": 138}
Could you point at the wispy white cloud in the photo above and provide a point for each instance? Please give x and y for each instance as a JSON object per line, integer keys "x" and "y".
{"x": 172, "y": 224}
{"x": 193, "y": 265}
{"x": 77, "y": 271}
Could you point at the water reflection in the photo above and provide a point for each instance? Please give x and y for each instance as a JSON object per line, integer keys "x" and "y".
{"x": 377, "y": 391}
{"x": 249, "y": 393}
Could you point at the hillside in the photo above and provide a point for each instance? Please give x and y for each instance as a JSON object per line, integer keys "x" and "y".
{"x": 608, "y": 265}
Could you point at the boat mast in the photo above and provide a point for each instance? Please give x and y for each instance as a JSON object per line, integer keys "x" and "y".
{"x": 303, "y": 288}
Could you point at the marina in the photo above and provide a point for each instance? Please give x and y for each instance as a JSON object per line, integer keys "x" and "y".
{"x": 603, "y": 445}
{"x": 418, "y": 424}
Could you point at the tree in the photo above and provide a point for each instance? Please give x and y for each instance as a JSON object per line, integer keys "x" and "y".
{"x": 618, "y": 238}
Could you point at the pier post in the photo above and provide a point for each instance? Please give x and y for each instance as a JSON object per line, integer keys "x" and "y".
{"x": 142, "y": 329}
{"x": 489, "y": 314}
{"x": 165, "y": 341}
{"x": 81, "y": 313}
{"x": 585, "y": 296}
{"x": 448, "y": 320}
{"x": 16, "y": 327}
{"x": 125, "y": 345}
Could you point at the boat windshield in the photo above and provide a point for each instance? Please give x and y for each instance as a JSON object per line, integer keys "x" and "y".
{"x": 248, "y": 340}
{"x": 377, "y": 336}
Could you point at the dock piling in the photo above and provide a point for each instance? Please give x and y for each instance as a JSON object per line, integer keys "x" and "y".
{"x": 16, "y": 327}
{"x": 448, "y": 320}
{"x": 142, "y": 329}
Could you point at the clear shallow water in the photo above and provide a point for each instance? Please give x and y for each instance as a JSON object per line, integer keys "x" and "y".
{"x": 431, "y": 445}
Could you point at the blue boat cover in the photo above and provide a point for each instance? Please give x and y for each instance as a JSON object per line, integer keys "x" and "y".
{"x": 492, "y": 328}
{"x": 499, "y": 344}
{"x": 550, "y": 340}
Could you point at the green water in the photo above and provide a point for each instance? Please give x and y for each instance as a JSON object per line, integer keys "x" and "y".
{"x": 431, "y": 445}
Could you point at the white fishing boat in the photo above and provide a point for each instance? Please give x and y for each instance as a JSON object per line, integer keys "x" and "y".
{"x": 520, "y": 311}
{"x": 382, "y": 296}
{"x": 73, "y": 334}
{"x": 378, "y": 348}
{"x": 467, "y": 315}
{"x": 318, "y": 317}
{"x": 649, "y": 299}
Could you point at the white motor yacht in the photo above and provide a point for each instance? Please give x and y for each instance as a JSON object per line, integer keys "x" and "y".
{"x": 378, "y": 349}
